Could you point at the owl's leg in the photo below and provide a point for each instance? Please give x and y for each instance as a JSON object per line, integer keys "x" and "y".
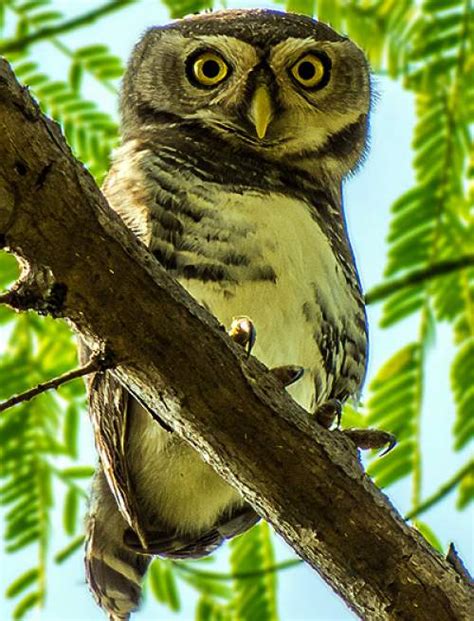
{"x": 329, "y": 412}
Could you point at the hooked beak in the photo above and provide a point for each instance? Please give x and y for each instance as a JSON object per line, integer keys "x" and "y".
{"x": 261, "y": 110}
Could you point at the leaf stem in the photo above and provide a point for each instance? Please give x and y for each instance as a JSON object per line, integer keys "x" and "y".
{"x": 70, "y": 54}
{"x": 244, "y": 575}
{"x": 435, "y": 270}
{"x": 443, "y": 491}
{"x": 20, "y": 43}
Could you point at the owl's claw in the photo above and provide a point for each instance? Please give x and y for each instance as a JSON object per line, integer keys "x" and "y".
{"x": 371, "y": 439}
{"x": 242, "y": 331}
{"x": 287, "y": 374}
{"x": 328, "y": 412}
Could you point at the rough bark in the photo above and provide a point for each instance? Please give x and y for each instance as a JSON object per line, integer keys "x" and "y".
{"x": 306, "y": 481}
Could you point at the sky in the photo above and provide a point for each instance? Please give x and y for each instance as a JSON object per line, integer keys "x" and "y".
{"x": 386, "y": 174}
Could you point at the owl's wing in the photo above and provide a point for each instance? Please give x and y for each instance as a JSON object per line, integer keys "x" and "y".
{"x": 175, "y": 546}
{"x": 342, "y": 341}
{"x": 108, "y": 399}
{"x": 108, "y": 409}
{"x": 127, "y": 194}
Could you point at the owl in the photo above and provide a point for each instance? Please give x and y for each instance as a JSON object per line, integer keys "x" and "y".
{"x": 238, "y": 128}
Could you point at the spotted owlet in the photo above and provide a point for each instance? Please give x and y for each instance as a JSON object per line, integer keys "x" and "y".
{"x": 238, "y": 128}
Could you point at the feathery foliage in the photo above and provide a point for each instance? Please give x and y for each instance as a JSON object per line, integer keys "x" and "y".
{"x": 432, "y": 222}
{"x": 428, "y": 48}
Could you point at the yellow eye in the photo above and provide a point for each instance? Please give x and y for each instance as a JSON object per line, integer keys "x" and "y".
{"x": 209, "y": 69}
{"x": 309, "y": 71}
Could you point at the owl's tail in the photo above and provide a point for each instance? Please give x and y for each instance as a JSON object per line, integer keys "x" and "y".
{"x": 114, "y": 573}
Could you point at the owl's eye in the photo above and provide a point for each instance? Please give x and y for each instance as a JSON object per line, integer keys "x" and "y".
{"x": 311, "y": 71}
{"x": 209, "y": 69}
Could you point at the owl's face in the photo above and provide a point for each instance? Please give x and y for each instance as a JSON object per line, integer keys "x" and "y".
{"x": 276, "y": 83}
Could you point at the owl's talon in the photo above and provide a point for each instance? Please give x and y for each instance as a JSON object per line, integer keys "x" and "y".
{"x": 371, "y": 439}
{"x": 242, "y": 331}
{"x": 392, "y": 443}
{"x": 328, "y": 412}
{"x": 287, "y": 374}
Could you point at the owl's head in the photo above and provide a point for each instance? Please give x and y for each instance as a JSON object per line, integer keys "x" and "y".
{"x": 280, "y": 84}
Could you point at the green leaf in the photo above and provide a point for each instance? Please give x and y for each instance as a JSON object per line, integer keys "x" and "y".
{"x": 25, "y": 540}
{"x": 172, "y": 594}
{"x": 71, "y": 430}
{"x": 27, "y": 603}
{"x": 69, "y": 550}
{"x": 462, "y": 381}
{"x": 305, "y": 7}
{"x": 180, "y": 8}
{"x": 9, "y": 270}
{"x": 429, "y": 535}
{"x": 78, "y": 472}
{"x": 156, "y": 581}
{"x": 71, "y": 506}
{"x": 394, "y": 406}
{"x": 76, "y": 73}
{"x": 22, "y": 582}
{"x": 163, "y": 584}
{"x": 205, "y": 609}
{"x": 209, "y": 610}
{"x": 256, "y": 598}
{"x": 466, "y": 490}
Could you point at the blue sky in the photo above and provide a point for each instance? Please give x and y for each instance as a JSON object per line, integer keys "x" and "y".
{"x": 368, "y": 196}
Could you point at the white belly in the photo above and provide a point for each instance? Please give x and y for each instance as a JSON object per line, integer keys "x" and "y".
{"x": 291, "y": 242}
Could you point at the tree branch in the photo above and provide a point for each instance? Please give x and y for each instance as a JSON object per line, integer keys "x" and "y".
{"x": 177, "y": 360}
{"x": 442, "y": 491}
{"x": 382, "y": 291}
{"x": 20, "y": 43}
{"x": 96, "y": 363}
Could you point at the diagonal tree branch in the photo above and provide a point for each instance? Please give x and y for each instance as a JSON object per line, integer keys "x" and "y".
{"x": 172, "y": 354}
{"x": 20, "y": 43}
{"x": 382, "y": 291}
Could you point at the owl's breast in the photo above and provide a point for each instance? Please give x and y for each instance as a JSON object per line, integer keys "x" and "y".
{"x": 264, "y": 255}
{"x": 260, "y": 247}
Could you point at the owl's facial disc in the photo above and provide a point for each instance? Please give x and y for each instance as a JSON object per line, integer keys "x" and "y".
{"x": 278, "y": 84}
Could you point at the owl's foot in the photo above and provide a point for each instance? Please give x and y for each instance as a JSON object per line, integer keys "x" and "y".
{"x": 242, "y": 331}
{"x": 288, "y": 374}
{"x": 329, "y": 412}
{"x": 371, "y": 439}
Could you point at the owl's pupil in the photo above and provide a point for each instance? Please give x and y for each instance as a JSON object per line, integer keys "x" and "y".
{"x": 306, "y": 70}
{"x": 210, "y": 69}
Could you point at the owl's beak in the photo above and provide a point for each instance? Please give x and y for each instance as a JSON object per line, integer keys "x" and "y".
{"x": 261, "y": 110}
